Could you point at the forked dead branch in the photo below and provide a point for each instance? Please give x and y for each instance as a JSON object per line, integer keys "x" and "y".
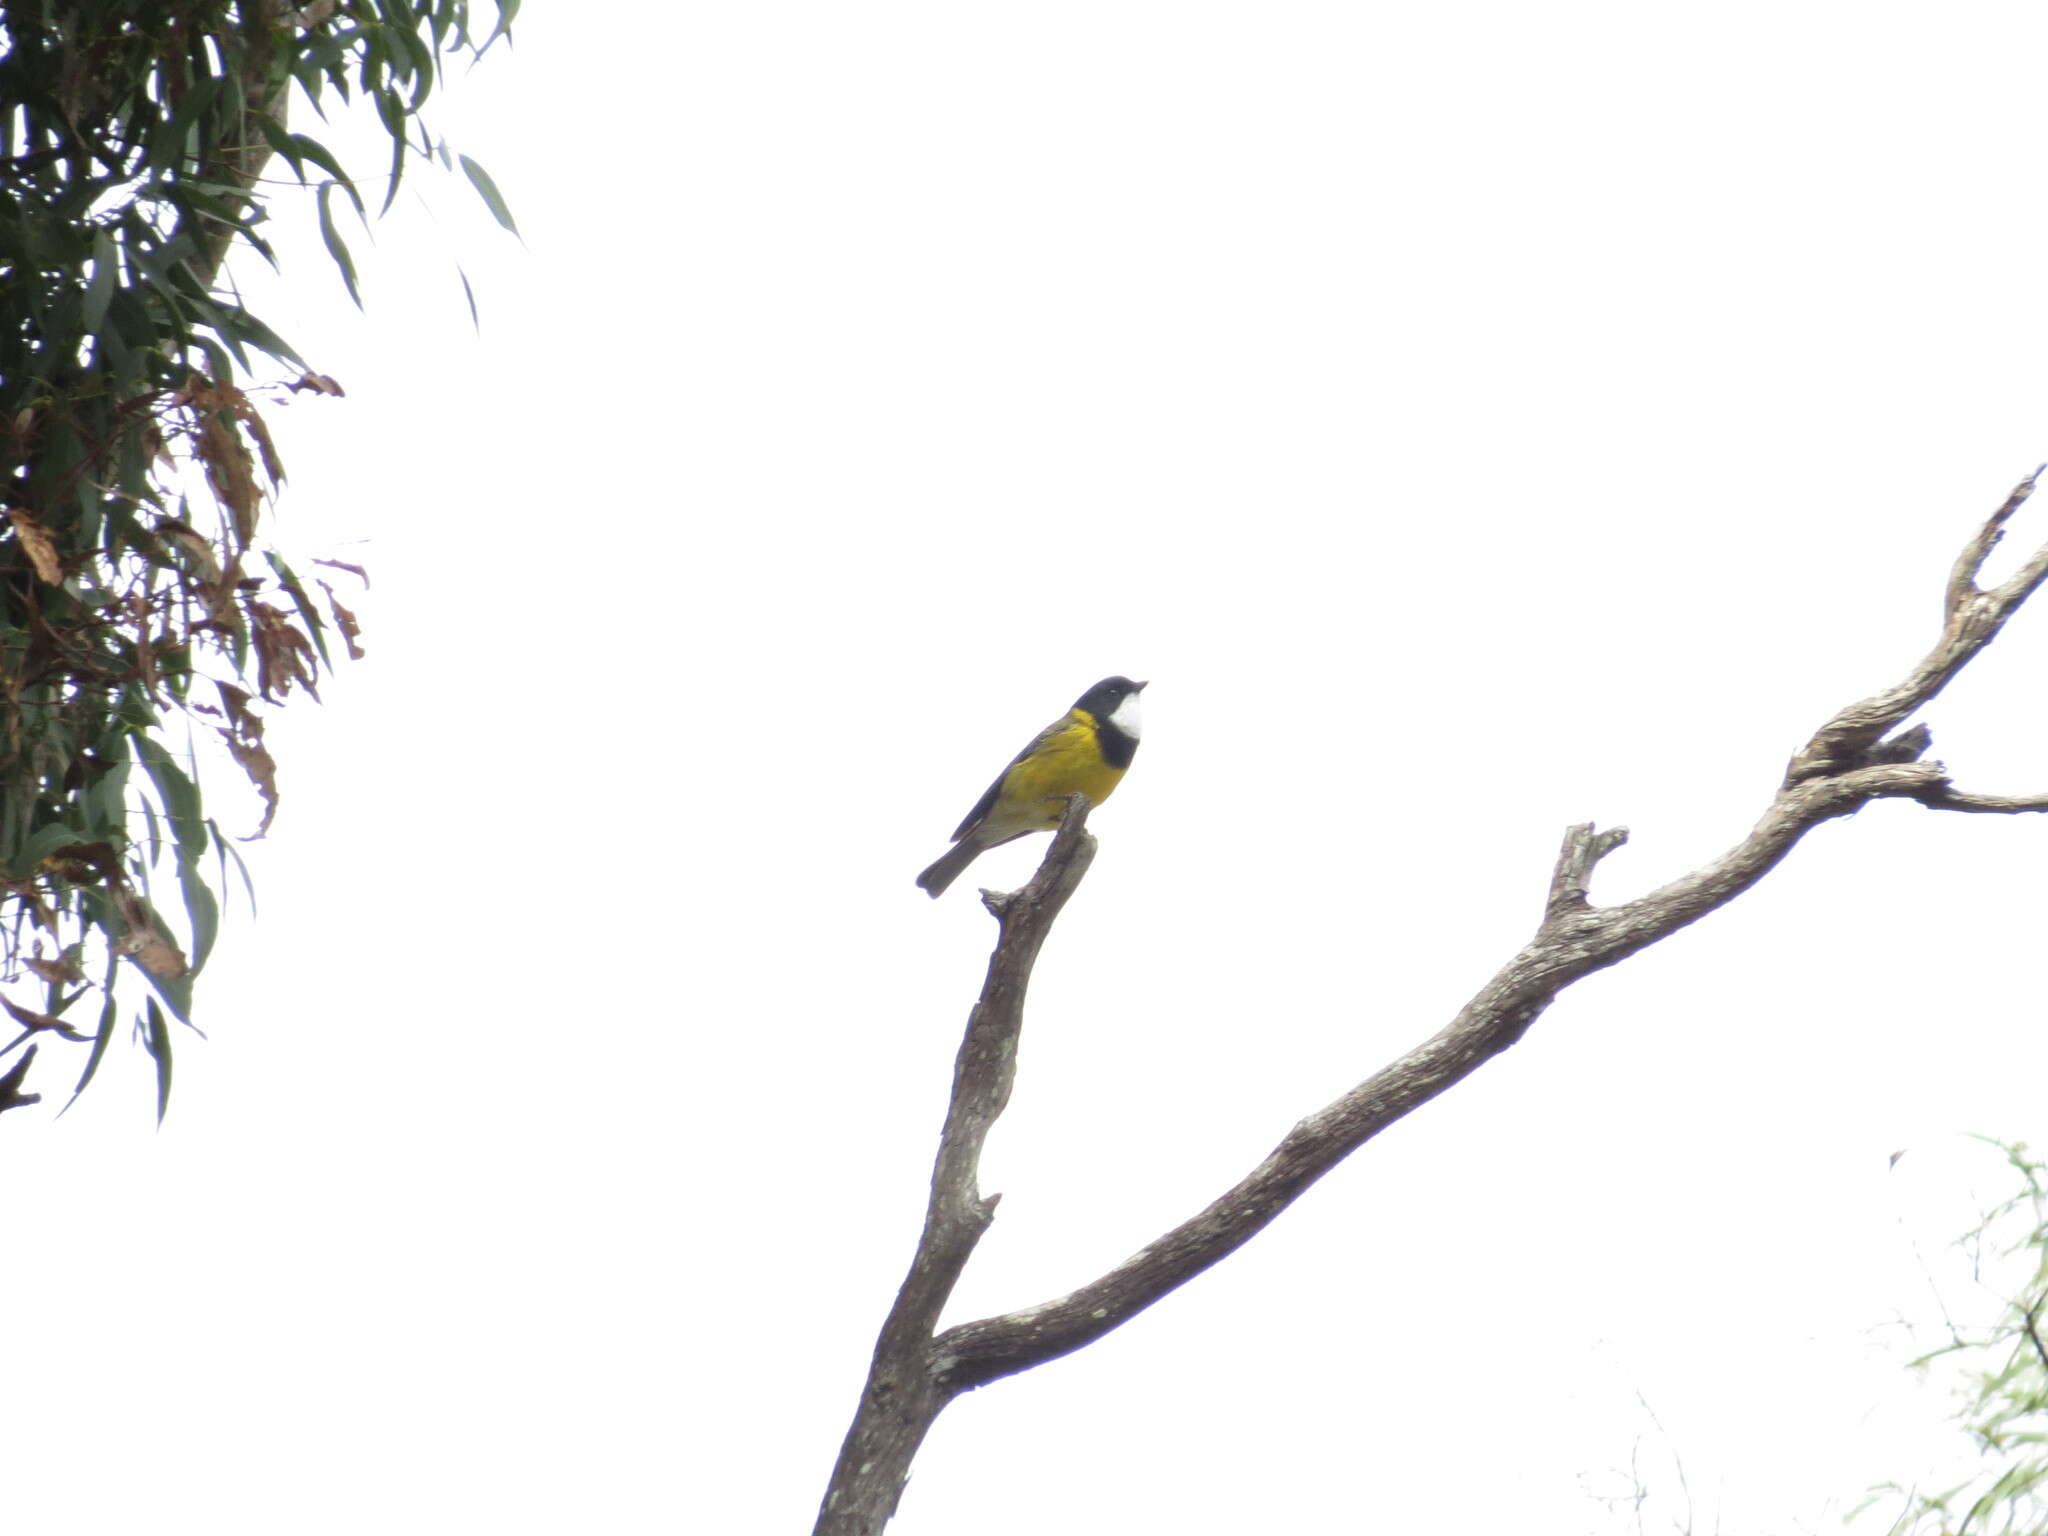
{"x": 1859, "y": 756}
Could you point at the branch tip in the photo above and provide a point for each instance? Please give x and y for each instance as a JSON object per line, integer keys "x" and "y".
{"x": 1584, "y": 847}
{"x": 1072, "y": 819}
{"x": 1946, "y": 797}
{"x": 1962, "y": 580}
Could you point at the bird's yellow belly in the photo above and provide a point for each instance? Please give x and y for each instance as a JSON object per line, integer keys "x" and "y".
{"x": 1035, "y": 791}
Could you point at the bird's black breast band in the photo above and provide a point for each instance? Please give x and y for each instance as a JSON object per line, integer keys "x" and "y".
{"x": 1117, "y": 748}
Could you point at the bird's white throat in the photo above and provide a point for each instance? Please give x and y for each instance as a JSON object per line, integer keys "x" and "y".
{"x": 1125, "y": 716}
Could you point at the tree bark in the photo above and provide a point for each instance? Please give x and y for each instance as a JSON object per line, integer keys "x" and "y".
{"x": 903, "y": 1394}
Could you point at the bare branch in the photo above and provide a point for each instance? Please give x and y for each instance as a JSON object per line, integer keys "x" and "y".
{"x": 902, "y": 1396}
{"x": 1972, "y": 619}
{"x": 1573, "y": 941}
{"x": 1948, "y": 798}
{"x": 1845, "y": 766}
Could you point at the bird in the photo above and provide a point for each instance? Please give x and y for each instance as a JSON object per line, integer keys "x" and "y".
{"x": 1085, "y": 752}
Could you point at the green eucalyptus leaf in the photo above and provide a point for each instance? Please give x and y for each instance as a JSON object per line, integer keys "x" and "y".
{"x": 259, "y": 335}
{"x": 99, "y": 292}
{"x": 202, "y": 908}
{"x": 309, "y": 614}
{"x": 282, "y": 143}
{"x": 507, "y": 10}
{"x": 172, "y": 147}
{"x": 228, "y": 851}
{"x": 175, "y": 788}
{"x": 315, "y": 151}
{"x": 336, "y": 246}
{"x": 488, "y": 191}
{"x": 101, "y": 1035}
{"x": 157, "y": 1039}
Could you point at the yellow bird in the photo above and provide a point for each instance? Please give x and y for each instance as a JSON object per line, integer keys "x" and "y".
{"x": 1083, "y": 752}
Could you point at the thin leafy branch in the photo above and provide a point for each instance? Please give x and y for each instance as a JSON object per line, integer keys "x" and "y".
{"x": 141, "y": 606}
{"x": 2003, "y": 1367}
{"x": 1864, "y": 753}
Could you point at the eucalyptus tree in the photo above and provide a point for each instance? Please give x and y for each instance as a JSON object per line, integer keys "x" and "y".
{"x": 142, "y": 143}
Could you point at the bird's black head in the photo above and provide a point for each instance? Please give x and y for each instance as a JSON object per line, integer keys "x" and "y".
{"x": 1114, "y": 703}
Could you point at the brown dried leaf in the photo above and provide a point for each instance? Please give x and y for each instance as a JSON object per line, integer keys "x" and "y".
{"x": 28, "y": 1018}
{"x": 273, "y": 466}
{"x": 148, "y": 948}
{"x": 236, "y": 702}
{"x": 97, "y": 855}
{"x": 218, "y": 445}
{"x": 354, "y": 570}
{"x": 261, "y": 767}
{"x": 145, "y": 943}
{"x": 30, "y": 894}
{"x": 244, "y": 737}
{"x": 37, "y": 544}
{"x": 58, "y": 972}
{"x": 344, "y": 621}
{"x": 284, "y": 655}
{"x": 319, "y": 383}
{"x": 80, "y": 862}
{"x": 192, "y": 540}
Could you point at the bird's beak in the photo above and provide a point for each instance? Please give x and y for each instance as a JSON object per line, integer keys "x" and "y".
{"x": 1141, "y": 687}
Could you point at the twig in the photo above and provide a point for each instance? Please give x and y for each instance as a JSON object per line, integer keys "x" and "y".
{"x": 1583, "y": 848}
{"x": 1949, "y": 798}
{"x": 2031, "y": 1321}
{"x": 11, "y": 1096}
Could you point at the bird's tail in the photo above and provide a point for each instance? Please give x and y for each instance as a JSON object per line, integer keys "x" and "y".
{"x": 948, "y": 866}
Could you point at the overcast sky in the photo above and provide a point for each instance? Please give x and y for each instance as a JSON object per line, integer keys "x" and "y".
{"x": 1472, "y": 420}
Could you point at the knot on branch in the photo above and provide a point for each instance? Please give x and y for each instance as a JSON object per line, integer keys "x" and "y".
{"x": 1833, "y": 758}
{"x": 1906, "y": 747}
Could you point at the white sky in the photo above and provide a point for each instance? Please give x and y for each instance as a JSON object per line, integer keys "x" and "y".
{"x": 1472, "y": 419}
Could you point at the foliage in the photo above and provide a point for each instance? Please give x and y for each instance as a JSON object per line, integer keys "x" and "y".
{"x": 140, "y": 608}
{"x": 2006, "y": 1411}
